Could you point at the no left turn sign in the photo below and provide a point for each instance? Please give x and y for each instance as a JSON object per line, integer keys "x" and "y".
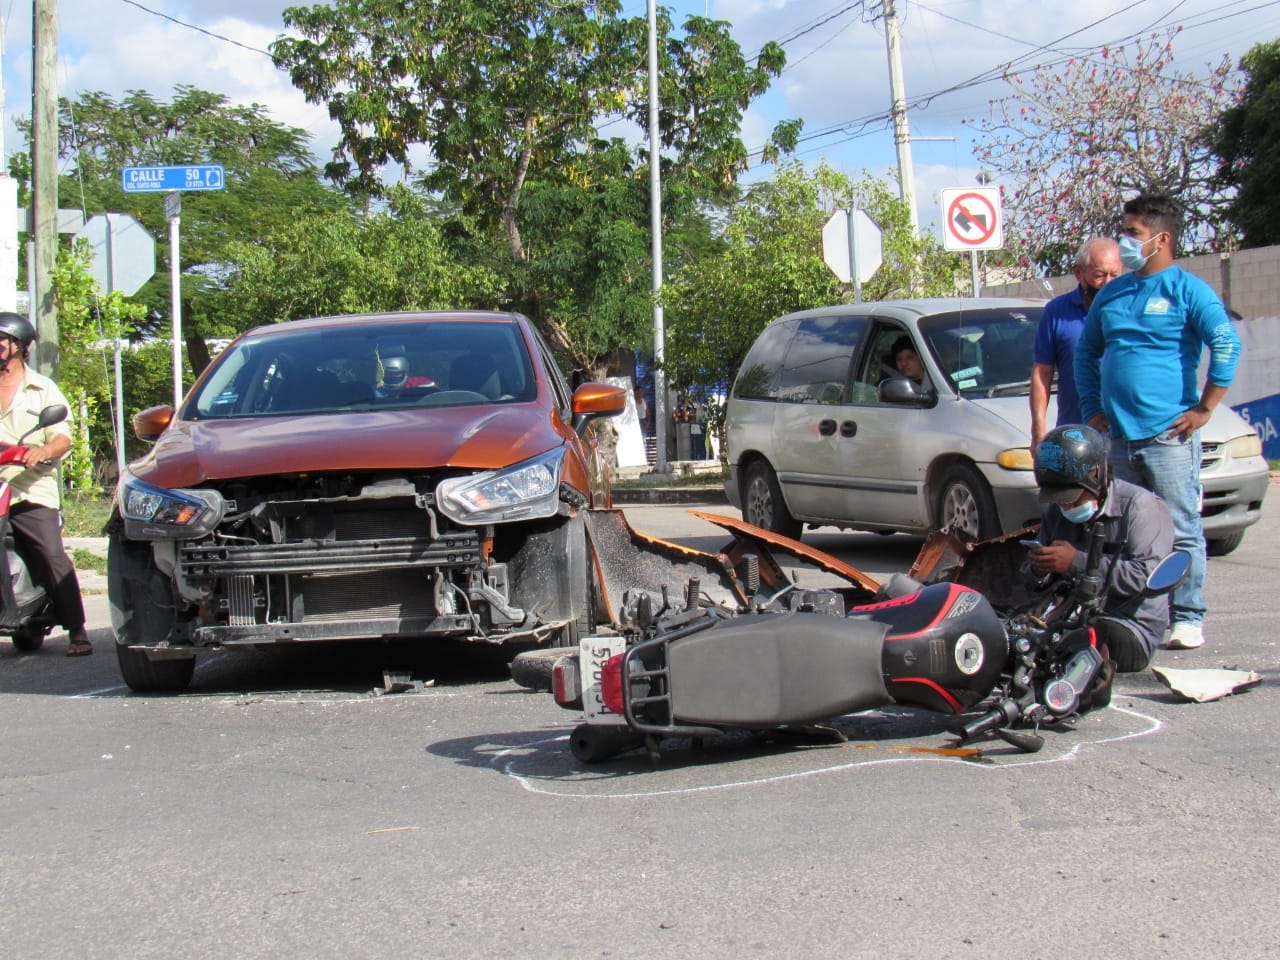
{"x": 971, "y": 219}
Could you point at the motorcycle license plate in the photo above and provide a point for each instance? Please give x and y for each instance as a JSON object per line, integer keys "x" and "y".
{"x": 595, "y": 653}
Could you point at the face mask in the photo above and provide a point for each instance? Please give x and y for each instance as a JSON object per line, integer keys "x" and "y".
{"x": 1087, "y": 294}
{"x": 1080, "y": 513}
{"x": 1131, "y": 252}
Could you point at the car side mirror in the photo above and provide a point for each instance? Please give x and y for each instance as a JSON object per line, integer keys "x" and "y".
{"x": 906, "y": 392}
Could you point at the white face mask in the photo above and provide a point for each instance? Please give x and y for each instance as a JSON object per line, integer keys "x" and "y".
{"x": 1080, "y": 513}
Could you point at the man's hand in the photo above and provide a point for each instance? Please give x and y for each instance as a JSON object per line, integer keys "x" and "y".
{"x": 1056, "y": 557}
{"x": 1099, "y": 423}
{"x": 1191, "y": 421}
{"x": 36, "y": 456}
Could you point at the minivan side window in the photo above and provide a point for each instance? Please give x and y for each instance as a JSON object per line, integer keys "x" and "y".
{"x": 758, "y": 378}
{"x": 816, "y": 368}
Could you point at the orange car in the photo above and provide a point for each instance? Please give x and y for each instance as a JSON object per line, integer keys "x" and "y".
{"x": 414, "y": 475}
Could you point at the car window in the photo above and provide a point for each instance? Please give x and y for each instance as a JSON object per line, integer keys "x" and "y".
{"x": 984, "y": 352}
{"x": 877, "y": 362}
{"x": 758, "y": 377}
{"x": 816, "y": 366}
{"x": 325, "y": 369}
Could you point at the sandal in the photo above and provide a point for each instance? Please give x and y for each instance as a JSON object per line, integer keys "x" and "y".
{"x": 81, "y": 648}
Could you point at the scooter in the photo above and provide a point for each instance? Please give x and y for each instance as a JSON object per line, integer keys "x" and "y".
{"x": 26, "y": 611}
{"x": 796, "y": 661}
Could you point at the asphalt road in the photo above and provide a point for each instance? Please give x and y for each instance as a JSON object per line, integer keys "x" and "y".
{"x": 281, "y": 809}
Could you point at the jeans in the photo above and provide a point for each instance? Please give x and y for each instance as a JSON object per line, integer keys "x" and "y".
{"x": 1170, "y": 467}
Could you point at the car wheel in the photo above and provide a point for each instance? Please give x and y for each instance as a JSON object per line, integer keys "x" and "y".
{"x": 965, "y": 505}
{"x": 532, "y": 669}
{"x": 142, "y": 612}
{"x": 762, "y": 503}
{"x": 1221, "y": 546}
{"x": 28, "y": 639}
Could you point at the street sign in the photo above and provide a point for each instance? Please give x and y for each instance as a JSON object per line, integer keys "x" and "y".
{"x": 172, "y": 204}
{"x": 868, "y": 245}
{"x": 971, "y": 219}
{"x": 124, "y": 254}
{"x": 201, "y": 176}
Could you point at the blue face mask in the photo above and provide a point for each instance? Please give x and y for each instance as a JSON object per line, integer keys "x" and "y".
{"x": 1080, "y": 513}
{"x": 1131, "y": 252}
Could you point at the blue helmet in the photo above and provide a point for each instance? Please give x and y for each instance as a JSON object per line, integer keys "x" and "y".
{"x": 1070, "y": 460}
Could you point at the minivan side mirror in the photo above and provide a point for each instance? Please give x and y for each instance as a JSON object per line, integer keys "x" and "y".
{"x": 905, "y": 391}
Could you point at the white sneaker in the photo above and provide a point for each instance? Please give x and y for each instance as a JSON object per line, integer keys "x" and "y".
{"x": 1185, "y": 636}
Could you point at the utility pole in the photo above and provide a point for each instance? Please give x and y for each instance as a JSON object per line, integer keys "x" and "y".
{"x": 44, "y": 175}
{"x": 901, "y": 135}
{"x": 655, "y": 227}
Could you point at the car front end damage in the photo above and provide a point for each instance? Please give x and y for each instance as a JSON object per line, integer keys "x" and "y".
{"x": 356, "y": 555}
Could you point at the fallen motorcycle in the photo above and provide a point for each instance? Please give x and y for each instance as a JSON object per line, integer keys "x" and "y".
{"x": 26, "y": 611}
{"x": 797, "y": 659}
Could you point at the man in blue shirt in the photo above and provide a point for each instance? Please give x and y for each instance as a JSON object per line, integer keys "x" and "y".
{"x": 1153, "y": 324}
{"x": 1097, "y": 264}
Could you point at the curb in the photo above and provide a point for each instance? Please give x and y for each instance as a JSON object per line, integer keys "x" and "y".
{"x": 660, "y": 495}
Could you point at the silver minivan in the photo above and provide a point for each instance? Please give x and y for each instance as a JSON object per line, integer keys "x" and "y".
{"x": 823, "y": 430}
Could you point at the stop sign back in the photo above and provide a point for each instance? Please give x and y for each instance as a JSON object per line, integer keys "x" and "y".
{"x": 124, "y": 254}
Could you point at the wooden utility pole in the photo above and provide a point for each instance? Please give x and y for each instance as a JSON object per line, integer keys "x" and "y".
{"x": 44, "y": 177}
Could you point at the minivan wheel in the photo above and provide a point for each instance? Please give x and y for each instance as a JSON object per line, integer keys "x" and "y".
{"x": 1221, "y": 546}
{"x": 762, "y": 503}
{"x": 965, "y": 505}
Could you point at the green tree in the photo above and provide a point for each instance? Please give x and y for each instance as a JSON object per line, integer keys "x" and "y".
{"x": 769, "y": 263}
{"x": 508, "y": 95}
{"x": 1246, "y": 140}
{"x": 395, "y": 259}
{"x": 271, "y": 181}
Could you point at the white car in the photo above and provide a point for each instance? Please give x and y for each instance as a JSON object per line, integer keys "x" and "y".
{"x": 822, "y": 430}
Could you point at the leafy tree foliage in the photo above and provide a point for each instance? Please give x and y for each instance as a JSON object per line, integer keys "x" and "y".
{"x": 271, "y": 180}
{"x": 769, "y": 263}
{"x": 1071, "y": 141}
{"x": 1246, "y": 139}
{"x": 395, "y": 259}
{"x": 509, "y": 96}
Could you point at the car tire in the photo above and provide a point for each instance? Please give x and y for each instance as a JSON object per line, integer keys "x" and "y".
{"x": 142, "y": 612}
{"x": 966, "y": 506}
{"x": 28, "y": 639}
{"x": 762, "y": 503}
{"x": 1221, "y": 546}
{"x": 532, "y": 669}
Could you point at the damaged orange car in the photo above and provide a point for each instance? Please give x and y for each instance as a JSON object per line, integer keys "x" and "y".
{"x": 409, "y": 475}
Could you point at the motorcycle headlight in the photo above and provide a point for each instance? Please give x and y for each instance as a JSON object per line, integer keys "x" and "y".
{"x": 525, "y": 491}
{"x": 154, "y": 513}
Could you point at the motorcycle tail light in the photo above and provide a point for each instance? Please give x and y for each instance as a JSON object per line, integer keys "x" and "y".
{"x": 1060, "y": 696}
{"x": 611, "y": 684}
{"x": 564, "y": 681}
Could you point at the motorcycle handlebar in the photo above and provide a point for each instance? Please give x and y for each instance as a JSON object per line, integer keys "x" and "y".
{"x": 1005, "y": 712}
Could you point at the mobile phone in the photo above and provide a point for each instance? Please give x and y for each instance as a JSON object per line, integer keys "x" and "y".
{"x": 1030, "y": 544}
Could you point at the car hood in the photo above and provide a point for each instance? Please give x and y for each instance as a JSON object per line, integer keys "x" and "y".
{"x": 193, "y": 452}
{"x": 1015, "y": 412}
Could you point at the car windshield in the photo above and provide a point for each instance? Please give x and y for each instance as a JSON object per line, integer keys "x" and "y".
{"x": 364, "y": 365}
{"x": 984, "y": 353}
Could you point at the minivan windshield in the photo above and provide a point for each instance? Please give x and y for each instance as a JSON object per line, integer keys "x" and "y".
{"x": 365, "y": 364}
{"x": 984, "y": 353}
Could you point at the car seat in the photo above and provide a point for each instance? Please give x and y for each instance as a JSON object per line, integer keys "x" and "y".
{"x": 477, "y": 373}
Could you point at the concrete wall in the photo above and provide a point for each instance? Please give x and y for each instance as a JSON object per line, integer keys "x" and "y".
{"x": 1249, "y": 283}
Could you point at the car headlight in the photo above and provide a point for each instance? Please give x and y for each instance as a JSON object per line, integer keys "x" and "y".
{"x": 154, "y": 513}
{"x": 522, "y": 492}
{"x": 1015, "y": 458}
{"x": 1249, "y": 445}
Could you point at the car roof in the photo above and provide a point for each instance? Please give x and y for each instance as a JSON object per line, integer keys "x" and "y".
{"x": 917, "y": 307}
{"x": 403, "y": 316}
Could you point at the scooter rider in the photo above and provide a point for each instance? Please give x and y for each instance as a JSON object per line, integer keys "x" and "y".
{"x": 34, "y": 513}
{"x": 1079, "y": 493}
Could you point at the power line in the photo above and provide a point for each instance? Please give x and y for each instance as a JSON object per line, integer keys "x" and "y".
{"x": 198, "y": 29}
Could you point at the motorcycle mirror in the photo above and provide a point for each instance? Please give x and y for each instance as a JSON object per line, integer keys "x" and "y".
{"x": 1169, "y": 572}
{"x": 50, "y": 415}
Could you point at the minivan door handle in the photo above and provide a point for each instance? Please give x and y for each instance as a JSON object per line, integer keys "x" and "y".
{"x": 849, "y": 428}
{"x": 826, "y": 427}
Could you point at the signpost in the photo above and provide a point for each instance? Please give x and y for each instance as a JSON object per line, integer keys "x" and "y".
{"x": 168, "y": 179}
{"x": 852, "y": 247}
{"x": 971, "y": 220}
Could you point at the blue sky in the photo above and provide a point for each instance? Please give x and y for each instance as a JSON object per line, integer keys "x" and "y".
{"x": 836, "y": 79}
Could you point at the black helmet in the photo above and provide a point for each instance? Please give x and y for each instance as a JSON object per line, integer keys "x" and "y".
{"x": 1070, "y": 460}
{"x": 18, "y": 327}
{"x": 394, "y": 370}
